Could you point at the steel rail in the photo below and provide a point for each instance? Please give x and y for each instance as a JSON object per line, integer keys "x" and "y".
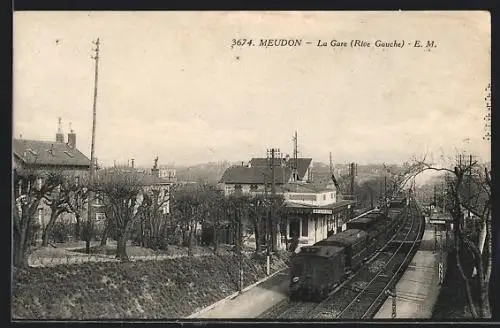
{"x": 377, "y": 275}
{"x": 403, "y": 263}
{"x": 315, "y": 306}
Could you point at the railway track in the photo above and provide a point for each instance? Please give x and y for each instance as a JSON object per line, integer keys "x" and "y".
{"x": 362, "y": 293}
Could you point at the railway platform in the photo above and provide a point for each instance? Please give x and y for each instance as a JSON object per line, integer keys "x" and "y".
{"x": 417, "y": 290}
{"x": 251, "y": 302}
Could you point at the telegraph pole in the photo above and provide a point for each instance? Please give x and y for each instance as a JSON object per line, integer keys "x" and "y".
{"x": 272, "y": 233}
{"x": 380, "y": 192}
{"x": 92, "y": 159}
{"x": 444, "y": 196}
{"x": 295, "y": 157}
{"x": 352, "y": 180}
{"x": 470, "y": 178}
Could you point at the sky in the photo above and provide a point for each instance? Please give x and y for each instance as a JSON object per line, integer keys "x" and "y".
{"x": 171, "y": 86}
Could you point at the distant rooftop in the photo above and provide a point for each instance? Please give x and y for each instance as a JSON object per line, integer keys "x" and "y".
{"x": 38, "y": 152}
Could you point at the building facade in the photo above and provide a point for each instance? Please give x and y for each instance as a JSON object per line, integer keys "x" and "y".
{"x": 313, "y": 211}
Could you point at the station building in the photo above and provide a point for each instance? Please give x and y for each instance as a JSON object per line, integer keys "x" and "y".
{"x": 313, "y": 210}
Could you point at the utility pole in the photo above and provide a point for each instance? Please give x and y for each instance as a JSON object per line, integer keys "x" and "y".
{"x": 92, "y": 160}
{"x": 470, "y": 178}
{"x": 240, "y": 248}
{"x": 444, "y": 196}
{"x": 351, "y": 190}
{"x": 435, "y": 200}
{"x": 295, "y": 158}
{"x": 385, "y": 190}
{"x": 331, "y": 163}
{"x": 380, "y": 192}
{"x": 273, "y": 153}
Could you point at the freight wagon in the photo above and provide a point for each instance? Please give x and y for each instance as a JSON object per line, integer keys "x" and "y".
{"x": 316, "y": 269}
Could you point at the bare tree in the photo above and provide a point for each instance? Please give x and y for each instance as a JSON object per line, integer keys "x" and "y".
{"x": 57, "y": 201}
{"x": 154, "y": 218}
{"x": 78, "y": 193}
{"x": 213, "y": 214}
{"x": 456, "y": 177}
{"x": 187, "y": 207}
{"x": 30, "y": 188}
{"x": 122, "y": 193}
{"x": 277, "y": 205}
{"x": 259, "y": 214}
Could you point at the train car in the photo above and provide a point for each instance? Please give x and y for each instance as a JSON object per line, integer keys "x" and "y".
{"x": 398, "y": 202}
{"x": 365, "y": 223}
{"x": 396, "y": 216}
{"x": 315, "y": 270}
{"x": 354, "y": 241}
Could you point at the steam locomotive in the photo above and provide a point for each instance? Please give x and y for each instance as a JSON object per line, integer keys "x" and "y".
{"x": 317, "y": 269}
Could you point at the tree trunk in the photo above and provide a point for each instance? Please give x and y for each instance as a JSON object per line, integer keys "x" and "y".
{"x": 104, "y": 237}
{"x": 274, "y": 237}
{"x": 483, "y": 285}
{"x": 487, "y": 275}
{"x": 20, "y": 258}
{"x": 286, "y": 237}
{"x": 190, "y": 240}
{"x": 87, "y": 246}
{"x": 465, "y": 280}
{"x": 48, "y": 228}
{"x": 77, "y": 226}
{"x": 215, "y": 241}
{"x": 121, "y": 247}
{"x": 257, "y": 235}
{"x": 142, "y": 233}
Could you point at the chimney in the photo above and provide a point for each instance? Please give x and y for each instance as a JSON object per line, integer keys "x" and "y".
{"x": 59, "y": 134}
{"x": 132, "y": 163}
{"x": 71, "y": 138}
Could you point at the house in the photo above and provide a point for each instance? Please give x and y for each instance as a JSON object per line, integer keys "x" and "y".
{"x": 313, "y": 210}
{"x": 47, "y": 156}
{"x": 41, "y": 155}
{"x": 167, "y": 173}
{"x": 257, "y": 176}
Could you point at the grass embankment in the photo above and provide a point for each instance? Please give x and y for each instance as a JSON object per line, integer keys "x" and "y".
{"x": 171, "y": 288}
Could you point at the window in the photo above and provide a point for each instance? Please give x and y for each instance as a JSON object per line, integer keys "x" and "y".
{"x": 305, "y": 226}
{"x": 294, "y": 228}
{"x": 331, "y": 195}
{"x": 253, "y": 187}
{"x": 100, "y": 216}
{"x": 324, "y": 197}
